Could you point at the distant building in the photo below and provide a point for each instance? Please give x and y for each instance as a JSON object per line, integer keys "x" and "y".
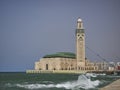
{"x": 112, "y": 66}
{"x": 66, "y": 62}
{"x": 118, "y": 66}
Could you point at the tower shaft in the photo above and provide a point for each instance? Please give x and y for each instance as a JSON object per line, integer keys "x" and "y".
{"x": 80, "y": 44}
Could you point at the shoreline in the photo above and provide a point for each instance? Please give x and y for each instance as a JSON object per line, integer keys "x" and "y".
{"x": 74, "y": 71}
{"x": 115, "y": 85}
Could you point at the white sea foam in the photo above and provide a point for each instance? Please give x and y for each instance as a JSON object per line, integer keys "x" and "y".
{"x": 82, "y": 82}
{"x": 101, "y": 74}
{"x": 91, "y": 75}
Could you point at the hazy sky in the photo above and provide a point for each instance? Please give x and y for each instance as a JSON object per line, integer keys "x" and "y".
{"x": 30, "y": 29}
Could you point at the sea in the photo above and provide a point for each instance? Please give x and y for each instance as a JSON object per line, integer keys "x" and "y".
{"x": 44, "y": 81}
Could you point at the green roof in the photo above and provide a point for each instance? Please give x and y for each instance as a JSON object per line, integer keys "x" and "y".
{"x": 61, "y": 54}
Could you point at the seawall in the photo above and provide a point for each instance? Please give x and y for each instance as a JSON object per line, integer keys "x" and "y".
{"x": 113, "y": 86}
{"x": 57, "y": 71}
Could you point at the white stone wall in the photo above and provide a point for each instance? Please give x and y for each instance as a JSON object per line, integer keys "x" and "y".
{"x": 63, "y": 64}
{"x": 55, "y": 64}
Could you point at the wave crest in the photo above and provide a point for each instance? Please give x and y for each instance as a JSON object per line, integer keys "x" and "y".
{"x": 82, "y": 82}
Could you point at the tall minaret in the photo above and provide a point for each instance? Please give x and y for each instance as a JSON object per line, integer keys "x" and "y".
{"x": 80, "y": 44}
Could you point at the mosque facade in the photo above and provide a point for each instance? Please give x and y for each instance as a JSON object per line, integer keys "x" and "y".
{"x": 66, "y": 62}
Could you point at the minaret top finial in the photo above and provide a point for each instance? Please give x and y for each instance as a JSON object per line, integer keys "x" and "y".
{"x": 79, "y": 19}
{"x": 79, "y": 23}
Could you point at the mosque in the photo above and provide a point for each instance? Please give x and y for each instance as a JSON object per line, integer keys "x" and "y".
{"x": 66, "y": 62}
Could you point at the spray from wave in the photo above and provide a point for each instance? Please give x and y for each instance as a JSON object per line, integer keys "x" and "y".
{"x": 83, "y": 82}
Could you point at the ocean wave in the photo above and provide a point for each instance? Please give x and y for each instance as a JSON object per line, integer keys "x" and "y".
{"x": 82, "y": 82}
{"x": 94, "y": 74}
{"x": 46, "y": 82}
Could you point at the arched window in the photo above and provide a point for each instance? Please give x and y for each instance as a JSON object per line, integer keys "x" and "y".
{"x": 39, "y": 68}
{"x": 46, "y": 66}
{"x": 54, "y": 69}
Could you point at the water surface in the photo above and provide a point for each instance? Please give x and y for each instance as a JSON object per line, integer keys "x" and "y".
{"x": 23, "y": 81}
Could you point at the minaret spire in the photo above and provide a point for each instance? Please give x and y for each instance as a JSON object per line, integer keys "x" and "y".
{"x": 79, "y": 23}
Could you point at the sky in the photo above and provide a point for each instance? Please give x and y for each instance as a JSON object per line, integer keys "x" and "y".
{"x": 30, "y": 29}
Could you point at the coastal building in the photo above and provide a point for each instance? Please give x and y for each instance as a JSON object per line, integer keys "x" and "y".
{"x": 118, "y": 66}
{"x": 66, "y": 62}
